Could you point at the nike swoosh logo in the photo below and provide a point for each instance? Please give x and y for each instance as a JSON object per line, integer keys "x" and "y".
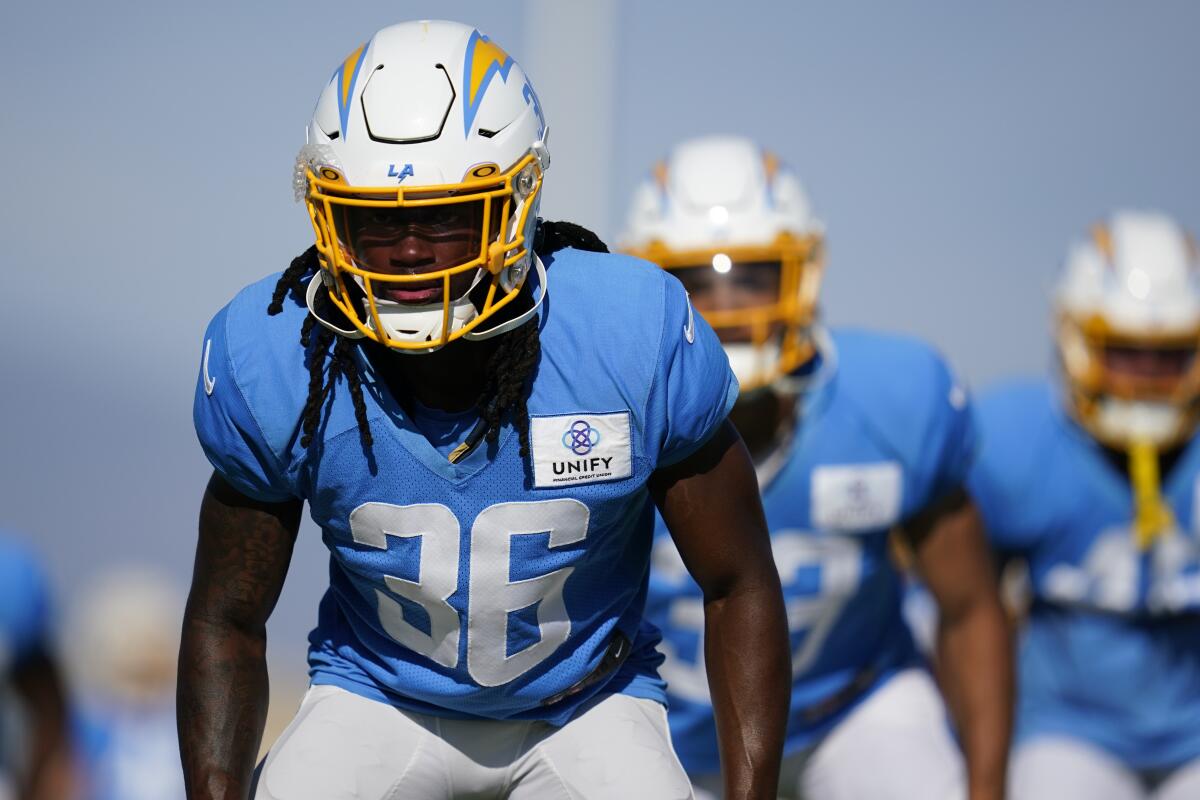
{"x": 689, "y": 330}
{"x": 209, "y": 382}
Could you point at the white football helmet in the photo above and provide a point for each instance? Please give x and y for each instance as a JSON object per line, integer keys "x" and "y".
{"x": 723, "y": 205}
{"x": 1130, "y": 293}
{"x": 435, "y": 119}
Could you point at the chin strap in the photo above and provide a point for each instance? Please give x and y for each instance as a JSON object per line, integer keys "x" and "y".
{"x": 504, "y": 327}
{"x": 1152, "y": 517}
{"x": 310, "y": 298}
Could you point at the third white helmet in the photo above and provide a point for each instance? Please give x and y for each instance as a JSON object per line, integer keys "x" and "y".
{"x": 1129, "y": 328}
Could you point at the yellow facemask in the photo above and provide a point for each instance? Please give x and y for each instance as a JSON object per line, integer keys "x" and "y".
{"x": 782, "y": 322}
{"x": 1091, "y": 383}
{"x": 1082, "y": 345}
{"x": 501, "y": 204}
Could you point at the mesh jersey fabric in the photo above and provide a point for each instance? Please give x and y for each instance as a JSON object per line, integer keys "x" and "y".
{"x": 870, "y": 451}
{"x": 470, "y": 589}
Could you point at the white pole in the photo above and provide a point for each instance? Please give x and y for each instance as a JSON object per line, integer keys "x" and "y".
{"x": 570, "y": 57}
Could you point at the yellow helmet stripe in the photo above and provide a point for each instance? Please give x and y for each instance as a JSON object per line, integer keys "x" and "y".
{"x": 346, "y": 75}
{"x": 483, "y": 60}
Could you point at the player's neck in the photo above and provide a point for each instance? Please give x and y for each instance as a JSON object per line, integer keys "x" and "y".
{"x": 450, "y": 379}
{"x": 762, "y": 417}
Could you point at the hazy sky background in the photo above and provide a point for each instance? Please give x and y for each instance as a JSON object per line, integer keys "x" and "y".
{"x": 953, "y": 150}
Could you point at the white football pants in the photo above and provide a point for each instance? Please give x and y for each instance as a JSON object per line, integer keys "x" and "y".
{"x": 895, "y": 746}
{"x": 1060, "y": 768}
{"x": 344, "y": 747}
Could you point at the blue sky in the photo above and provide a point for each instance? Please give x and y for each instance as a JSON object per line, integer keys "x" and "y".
{"x": 952, "y": 149}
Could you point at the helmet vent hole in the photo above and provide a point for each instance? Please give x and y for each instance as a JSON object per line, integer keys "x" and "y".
{"x": 487, "y": 134}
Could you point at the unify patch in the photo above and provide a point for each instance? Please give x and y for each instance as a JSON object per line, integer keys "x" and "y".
{"x": 857, "y": 497}
{"x": 580, "y": 448}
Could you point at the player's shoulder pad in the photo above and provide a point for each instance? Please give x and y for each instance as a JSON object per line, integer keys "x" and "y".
{"x": 901, "y": 385}
{"x": 253, "y": 363}
{"x": 1020, "y": 426}
{"x": 620, "y": 332}
{"x": 1014, "y": 417}
{"x": 611, "y": 306}
{"x": 612, "y": 282}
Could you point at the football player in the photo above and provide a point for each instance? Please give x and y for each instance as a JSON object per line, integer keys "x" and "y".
{"x": 126, "y": 638}
{"x": 483, "y": 456}
{"x": 35, "y": 755}
{"x": 1092, "y": 481}
{"x": 854, "y": 434}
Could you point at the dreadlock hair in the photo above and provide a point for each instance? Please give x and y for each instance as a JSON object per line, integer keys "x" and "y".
{"x": 509, "y": 370}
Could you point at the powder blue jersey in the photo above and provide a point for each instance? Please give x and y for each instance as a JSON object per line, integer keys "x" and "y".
{"x": 886, "y": 433}
{"x": 24, "y": 627}
{"x": 24, "y": 604}
{"x": 490, "y": 587}
{"x": 1111, "y": 651}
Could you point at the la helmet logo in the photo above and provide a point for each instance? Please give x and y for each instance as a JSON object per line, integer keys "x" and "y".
{"x": 405, "y": 172}
{"x": 580, "y": 437}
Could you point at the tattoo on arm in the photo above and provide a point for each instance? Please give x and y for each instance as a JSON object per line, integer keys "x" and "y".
{"x": 242, "y": 557}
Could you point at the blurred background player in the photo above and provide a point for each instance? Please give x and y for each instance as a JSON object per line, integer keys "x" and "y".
{"x": 123, "y": 651}
{"x": 1092, "y": 481}
{"x": 35, "y": 751}
{"x": 853, "y": 434}
{"x": 483, "y": 457}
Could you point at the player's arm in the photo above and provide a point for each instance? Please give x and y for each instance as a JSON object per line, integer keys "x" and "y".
{"x": 974, "y": 650}
{"x": 50, "y": 772}
{"x": 244, "y": 549}
{"x": 711, "y": 505}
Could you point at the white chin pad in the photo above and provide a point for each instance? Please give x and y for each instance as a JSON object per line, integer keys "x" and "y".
{"x": 541, "y": 287}
{"x": 1135, "y": 420}
{"x": 420, "y": 323}
{"x": 406, "y": 322}
{"x": 310, "y": 296}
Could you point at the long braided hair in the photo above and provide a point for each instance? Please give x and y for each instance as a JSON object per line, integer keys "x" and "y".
{"x": 509, "y": 370}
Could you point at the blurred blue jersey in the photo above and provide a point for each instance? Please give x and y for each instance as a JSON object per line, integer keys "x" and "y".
{"x": 130, "y": 752}
{"x": 24, "y": 631}
{"x": 24, "y": 604}
{"x": 886, "y": 433}
{"x": 489, "y": 587}
{"x": 1111, "y": 651}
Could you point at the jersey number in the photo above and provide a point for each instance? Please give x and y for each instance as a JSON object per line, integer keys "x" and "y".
{"x": 492, "y": 596}
{"x": 834, "y": 562}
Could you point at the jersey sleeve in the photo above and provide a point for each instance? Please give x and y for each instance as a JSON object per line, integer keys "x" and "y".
{"x": 949, "y": 441}
{"x": 693, "y": 387}
{"x": 227, "y": 428}
{"x": 1007, "y": 463}
{"x": 937, "y": 431}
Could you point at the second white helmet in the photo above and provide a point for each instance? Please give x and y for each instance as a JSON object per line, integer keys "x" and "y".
{"x": 720, "y": 210}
